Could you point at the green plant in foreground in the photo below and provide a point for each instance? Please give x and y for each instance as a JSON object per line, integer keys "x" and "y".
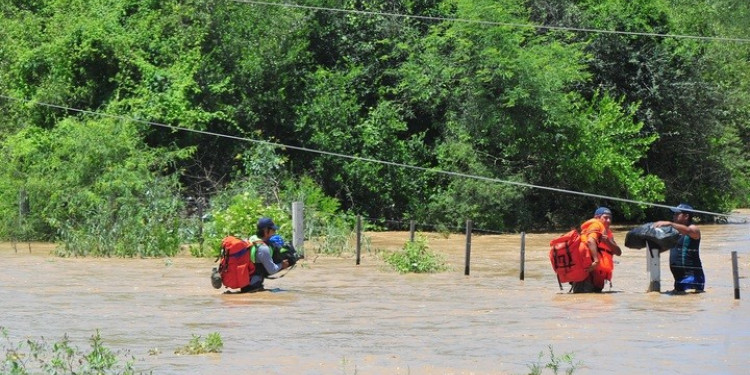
{"x": 345, "y": 366}
{"x": 555, "y": 363}
{"x": 212, "y": 344}
{"x": 416, "y": 257}
{"x": 33, "y": 357}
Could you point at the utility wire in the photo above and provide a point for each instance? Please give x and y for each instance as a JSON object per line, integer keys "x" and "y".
{"x": 494, "y": 23}
{"x": 363, "y": 159}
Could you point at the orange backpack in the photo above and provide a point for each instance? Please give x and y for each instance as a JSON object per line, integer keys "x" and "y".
{"x": 569, "y": 257}
{"x": 235, "y": 267}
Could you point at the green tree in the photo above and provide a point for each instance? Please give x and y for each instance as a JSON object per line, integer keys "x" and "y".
{"x": 726, "y": 64}
{"x": 350, "y": 107}
{"x": 93, "y": 186}
{"x": 510, "y": 111}
{"x": 680, "y": 85}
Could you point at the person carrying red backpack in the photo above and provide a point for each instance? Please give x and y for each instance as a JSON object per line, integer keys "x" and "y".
{"x": 597, "y": 237}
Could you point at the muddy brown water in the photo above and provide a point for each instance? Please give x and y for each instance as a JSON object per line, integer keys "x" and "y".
{"x": 331, "y": 316}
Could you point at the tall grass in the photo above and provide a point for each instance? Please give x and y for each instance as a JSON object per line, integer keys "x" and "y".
{"x": 555, "y": 363}
{"x": 62, "y": 357}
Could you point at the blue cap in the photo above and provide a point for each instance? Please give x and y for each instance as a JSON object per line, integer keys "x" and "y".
{"x": 266, "y": 222}
{"x": 682, "y": 207}
{"x": 276, "y": 240}
{"x": 602, "y": 211}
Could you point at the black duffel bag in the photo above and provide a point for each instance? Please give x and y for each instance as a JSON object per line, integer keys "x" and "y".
{"x": 662, "y": 238}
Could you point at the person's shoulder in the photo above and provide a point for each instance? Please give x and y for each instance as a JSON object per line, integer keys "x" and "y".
{"x": 259, "y": 244}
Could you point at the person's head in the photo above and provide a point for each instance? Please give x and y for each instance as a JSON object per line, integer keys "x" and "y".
{"x": 266, "y": 228}
{"x": 604, "y": 214}
{"x": 683, "y": 214}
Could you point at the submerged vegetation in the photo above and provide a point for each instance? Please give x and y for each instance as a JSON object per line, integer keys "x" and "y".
{"x": 416, "y": 257}
{"x": 62, "y": 357}
{"x": 554, "y": 363}
{"x": 212, "y": 344}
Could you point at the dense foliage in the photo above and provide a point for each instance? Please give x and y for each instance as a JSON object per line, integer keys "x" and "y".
{"x": 111, "y": 110}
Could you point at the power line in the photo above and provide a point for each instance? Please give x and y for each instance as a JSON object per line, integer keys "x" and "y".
{"x": 494, "y": 23}
{"x": 362, "y": 159}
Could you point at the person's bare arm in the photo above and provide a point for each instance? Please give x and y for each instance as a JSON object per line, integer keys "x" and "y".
{"x": 612, "y": 245}
{"x": 691, "y": 230}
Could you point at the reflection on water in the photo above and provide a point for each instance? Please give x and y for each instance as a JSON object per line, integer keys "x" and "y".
{"x": 331, "y": 316}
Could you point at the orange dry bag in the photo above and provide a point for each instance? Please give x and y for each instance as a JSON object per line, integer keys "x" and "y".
{"x": 569, "y": 257}
{"x": 235, "y": 266}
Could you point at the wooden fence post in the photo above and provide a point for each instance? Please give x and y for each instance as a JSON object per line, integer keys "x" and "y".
{"x": 359, "y": 236}
{"x": 523, "y": 253}
{"x": 736, "y": 275}
{"x": 468, "y": 246}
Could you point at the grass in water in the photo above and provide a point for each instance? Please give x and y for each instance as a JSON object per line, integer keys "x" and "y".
{"x": 212, "y": 344}
{"x": 416, "y": 257}
{"x": 35, "y": 357}
{"x": 555, "y": 363}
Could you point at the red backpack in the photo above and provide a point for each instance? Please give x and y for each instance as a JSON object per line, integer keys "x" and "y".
{"x": 235, "y": 267}
{"x": 569, "y": 259}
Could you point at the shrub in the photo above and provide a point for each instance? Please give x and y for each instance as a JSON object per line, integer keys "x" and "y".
{"x": 416, "y": 257}
{"x": 212, "y": 344}
{"x": 236, "y": 212}
{"x": 240, "y": 217}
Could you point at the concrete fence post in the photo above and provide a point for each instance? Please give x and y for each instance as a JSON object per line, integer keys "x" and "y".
{"x": 654, "y": 269}
{"x": 298, "y": 227}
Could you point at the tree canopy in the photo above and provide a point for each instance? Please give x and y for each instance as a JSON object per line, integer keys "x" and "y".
{"x": 130, "y": 106}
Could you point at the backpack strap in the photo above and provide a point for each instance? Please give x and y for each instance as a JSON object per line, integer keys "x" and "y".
{"x": 282, "y": 275}
{"x": 240, "y": 253}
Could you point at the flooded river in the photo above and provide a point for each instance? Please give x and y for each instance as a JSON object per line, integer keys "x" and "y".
{"x": 331, "y": 316}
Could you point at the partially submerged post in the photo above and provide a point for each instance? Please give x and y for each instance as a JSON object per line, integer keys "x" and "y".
{"x": 654, "y": 270}
{"x": 200, "y": 205}
{"x": 468, "y": 246}
{"x": 523, "y": 253}
{"x": 298, "y": 227}
{"x": 359, "y": 236}
{"x": 735, "y": 275}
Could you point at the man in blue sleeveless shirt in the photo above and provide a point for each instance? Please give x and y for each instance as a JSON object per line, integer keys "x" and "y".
{"x": 684, "y": 258}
